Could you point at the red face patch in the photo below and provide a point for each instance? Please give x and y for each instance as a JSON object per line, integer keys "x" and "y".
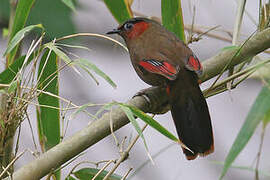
{"x": 137, "y": 30}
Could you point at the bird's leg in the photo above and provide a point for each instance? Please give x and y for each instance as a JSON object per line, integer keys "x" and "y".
{"x": 157, "y": 99}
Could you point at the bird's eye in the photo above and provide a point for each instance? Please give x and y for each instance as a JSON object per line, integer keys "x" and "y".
{"x": 128, "y": 26}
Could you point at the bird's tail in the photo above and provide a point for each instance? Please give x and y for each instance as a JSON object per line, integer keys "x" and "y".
{"x": 190, "y": 114}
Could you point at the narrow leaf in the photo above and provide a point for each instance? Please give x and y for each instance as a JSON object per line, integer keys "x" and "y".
{"x": 151, "y": 122}
{"x": 19, "y": 36}
{"x": 70, "y": 178}
{"x": 93, "y": 67}
{"x": 131, "y": 118}
{"x": 256, "y": 114}
{"x": 86, "y": 70}
{"x": 73, "y": 46}
{"x": 22, "y": 11}
{"x": 238, "y": 21}
{"x": 9, "y": 74}
{"x": 70, "y": 4}
{"x": 89, "y": 173}
{"x": 58, "y": 52}
{"x": 230, "y": 48}
{"x": 172, "y": 17}
{"x": 55, "y": 16}
{"x": 48, "y": 118}
{"x": 247, "y": 168}
{"x": 105, "y": 107}
{"x": 80, "y": 109}
{"x": 120, "y": 9}
{"x": 266, "y": 119}
{"x": 12, "y": 86}
{"x": 5, "y": 32}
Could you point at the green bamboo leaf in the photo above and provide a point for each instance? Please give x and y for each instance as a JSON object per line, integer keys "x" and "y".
{"x": 13, "y": 86}
{"x": 87, "y": 65}
{"x": 107, "y": 107}
{"x": 131, "y": 118}
{"x": 151, "y": 122}
{"x": 238, "y": 20}
{"x": 73, "y": 46}
{"x": 70, "y": 178}
{"x": 55, "y": 16}
{"x": 9, "y": 74}
{"x": 21, "y": 15}
{"x": 260, "y": 107}
{"x": 70, "y": 4}
{"x": 5, "y": 33}
{"x": 247, "y": 168}
{"x": 89, "y": 173}
{"x": 80, "y": 109}
{"x": 58, "y": 52}
{"x": 120, "y": 9}
{"x": 230, "y": 48}
{"x": 172, "y": 17}
{"x": 86, "y": 69}
{"x": 19, "y": 36}
{"x": 266, "y": 119}
{"x": 48, "y": 118}
{"x": 2, "y": 123}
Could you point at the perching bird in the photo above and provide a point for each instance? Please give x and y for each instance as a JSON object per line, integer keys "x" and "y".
{"x": 161, "y": 59}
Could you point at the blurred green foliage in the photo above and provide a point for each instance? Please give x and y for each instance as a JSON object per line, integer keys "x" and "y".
{"x": 54, "y": 15}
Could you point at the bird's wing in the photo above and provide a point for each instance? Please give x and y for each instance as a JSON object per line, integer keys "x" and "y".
{"x": 160, "y": 67}
{"x": 193, "y": 64}
{"x": 175, "y": 51}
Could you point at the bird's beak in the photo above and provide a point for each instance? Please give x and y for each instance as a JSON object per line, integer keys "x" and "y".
{"x": 115, "y": 31}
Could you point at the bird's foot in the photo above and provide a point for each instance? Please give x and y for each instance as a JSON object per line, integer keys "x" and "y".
{"x": 156, "y": 98}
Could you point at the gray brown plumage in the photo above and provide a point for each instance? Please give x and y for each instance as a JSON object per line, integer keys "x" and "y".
{"x": 161, "y": 59}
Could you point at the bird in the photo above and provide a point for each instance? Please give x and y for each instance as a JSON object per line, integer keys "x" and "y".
{"x": 161, "y": 59}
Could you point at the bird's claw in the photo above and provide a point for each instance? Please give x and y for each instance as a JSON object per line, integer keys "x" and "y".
{"x": 156, "y": 98}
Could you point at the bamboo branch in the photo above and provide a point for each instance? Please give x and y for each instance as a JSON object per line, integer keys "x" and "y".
{"x": 100, "y": 128}
{"x": 255, "y": 45}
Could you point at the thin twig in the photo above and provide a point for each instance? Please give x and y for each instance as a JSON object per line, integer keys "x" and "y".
{"x": 111, "y": 127}
{"x": 237, "y": 28}
{"x": 124, "y": 155}
{"x": 229, "y": 62}
{"x": 126, "y": 175}
{"x": 148, "y": 161}
{"x": 11, "y": 163}
{"x": 259, "y": 154}
{"x": 74, "y": 167}
{"x": 92, "y": 35}
{"x": 218, "y": 91}
{"x": 236, "y": 75}
{"x": 102, "y": 169}
{"x": 64, "y": 130}
{"x": 31, "y": 129}
{"x": 238, "y": 21}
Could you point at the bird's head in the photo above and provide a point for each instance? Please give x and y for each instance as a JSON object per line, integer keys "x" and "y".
{"x": 133, "y": 28}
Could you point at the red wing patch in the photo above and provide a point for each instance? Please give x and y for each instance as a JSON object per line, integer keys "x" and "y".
{"x": 194, "y": 64}
{"x": 160, "y": 67}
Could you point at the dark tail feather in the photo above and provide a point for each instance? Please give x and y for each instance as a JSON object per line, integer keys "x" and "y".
{"x": 190, "y": 114}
